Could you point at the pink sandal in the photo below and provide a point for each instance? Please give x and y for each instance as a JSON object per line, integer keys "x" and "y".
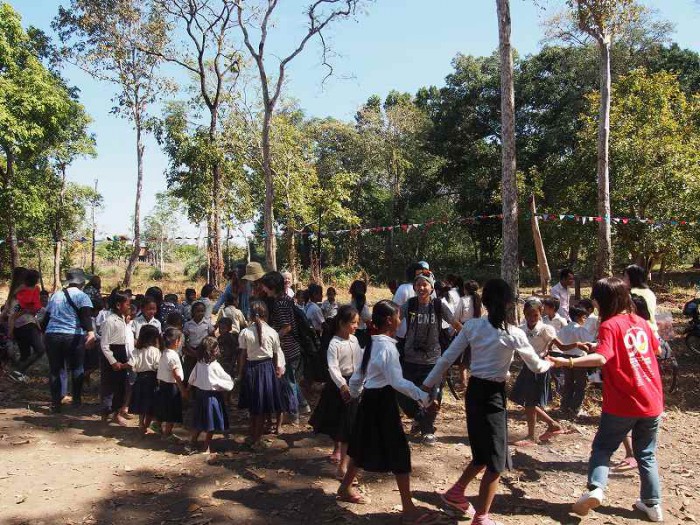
{"x": 460, "y": 504}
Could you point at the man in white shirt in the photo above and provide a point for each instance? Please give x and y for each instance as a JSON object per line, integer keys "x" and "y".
{"x": 561, "y": 291}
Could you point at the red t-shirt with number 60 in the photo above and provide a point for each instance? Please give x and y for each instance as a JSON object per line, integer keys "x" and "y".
{"x": 631, "y": 379}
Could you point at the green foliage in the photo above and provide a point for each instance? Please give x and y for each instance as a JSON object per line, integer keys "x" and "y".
{"x": 185, "y": 252}
{"x": 114, "y": 251}
{"x": 157, "y": 275}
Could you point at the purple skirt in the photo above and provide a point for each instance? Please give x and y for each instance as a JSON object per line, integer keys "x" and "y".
{"x": 260, "y": 391}
{"x": 210, "y": 411}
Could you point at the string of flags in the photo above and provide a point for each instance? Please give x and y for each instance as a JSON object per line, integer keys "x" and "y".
{"x": 406, "y": 228}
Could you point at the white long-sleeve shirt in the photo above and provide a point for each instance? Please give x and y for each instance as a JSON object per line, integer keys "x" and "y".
{"x": 116, "y": 331}
{"x": 344, "y": 357}
{"x": 384, "y": 369}
{"x": 210, "y": 376}
{"x": 492, "y": 352}
{"x": 562, "y": 293}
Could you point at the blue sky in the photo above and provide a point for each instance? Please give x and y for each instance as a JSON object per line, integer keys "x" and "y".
{"x": 396, "y": 44}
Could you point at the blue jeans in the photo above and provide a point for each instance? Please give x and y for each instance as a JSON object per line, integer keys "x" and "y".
{"x": 611, "y": 431}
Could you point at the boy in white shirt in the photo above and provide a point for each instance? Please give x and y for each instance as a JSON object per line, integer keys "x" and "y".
{"x": 561, "y": 291}
{"x": 575, "y": 379}
{"x": 313, "y": 310}
{"x": 329, "y": 307}
{"x": 551, "y": 314}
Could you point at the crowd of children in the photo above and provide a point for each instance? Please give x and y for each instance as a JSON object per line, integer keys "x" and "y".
{"x": 160, "y": 358}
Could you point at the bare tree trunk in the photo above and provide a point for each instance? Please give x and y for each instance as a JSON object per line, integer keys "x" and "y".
{"x": 216, "y": 264}
{"x": 604, "y": 255}
{"x": 137, "y": 207}
{"x": 292, "y": 252}
{"x": 58, "y": 234}
{"x": 542, "y": 264}
{"x": 268, "y": 212}
{"x": 11, "y": 241}
{"x": 94, "y": 241}
{"x": 510, "y": 270}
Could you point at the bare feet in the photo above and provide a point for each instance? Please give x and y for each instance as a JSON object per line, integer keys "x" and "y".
{"x": 351, "y": 496}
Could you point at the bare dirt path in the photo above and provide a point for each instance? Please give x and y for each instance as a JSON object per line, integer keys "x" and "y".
{"x": 72, "y": 469}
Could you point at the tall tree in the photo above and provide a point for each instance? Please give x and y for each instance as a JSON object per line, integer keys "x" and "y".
{"x": 319, "y": 14}
{"x": 35, "y": 110}
{"x": 207, "y": 53}
{"x": 106, "y": 39}
{"x": 77, "y": 143}
{"x": 601, "y": 20}
{"x": 510, "y": 270}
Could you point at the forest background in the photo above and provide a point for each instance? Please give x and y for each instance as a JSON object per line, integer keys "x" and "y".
{"x": 425, "y": 164}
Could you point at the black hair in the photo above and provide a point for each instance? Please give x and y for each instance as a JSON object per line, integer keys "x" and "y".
{"x": 171, "y": 298}
{"x": 207, "y": 290}
{"x": 148, "y": 300}
{"x": 381, "y": 313}
{"x": 208, "y": 350}
{"x": 273, "y": 281}
{"x": 175, "y": 319}
{"x": 551, "y": 302}
{"x": 641, "y": 307}
{"x": 637, "y": 276}
{"x": 612, "y": 296}
{"x": 346, "y": 313}
{"x": 31, "y": 278}
{"x": 331, "y": 289}
{"x": 138, "y": 299}
{"x": 576, "y": 312}
{"x": 117, "y": 298}
{"x": 95, "y": 281}
{"x": 358, "y": 291}
{"x": 171, "y": 335}
{"x": 128, "y": 292}
{"x": 226, "y": 321}
{"x": 97, "y": 303}
{"x": 198, "y": 304}
{"x": 17, "y": 279}
{"x": 472, "y": 288}
{"x": 148, "y": 336}
{"x": 258, "y": 314}
{"x": 411, "y": 272}
{"x": 302, "y": 295}
{"x": 45, "y": 293}
{"x": 587, "y": 305}
{"x": 315, "y": 289}
{"x": 565, "y": 273}
{"x": 232, "y": 300}
{"x": 499, "y": 299}
{"x": 442, "y": 289}
{"x": 156, "y": 293}
{"x": 458, "y": 284}
{"x": 190, "y": 291}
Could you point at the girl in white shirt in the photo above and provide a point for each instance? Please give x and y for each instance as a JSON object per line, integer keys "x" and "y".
{"x": 210, "y": 382}
{"x": 171, "y": 387}
{"x": 493, "y": 341}
{"x": 144, "y": 363}
{"x": 336, "y": 409}
{"x": 261, "y": 364}
{"x": 116, "y": 343}
{"x": 378, "y": 442}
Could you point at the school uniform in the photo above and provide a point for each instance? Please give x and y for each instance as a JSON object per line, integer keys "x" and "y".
{"x": 362, "y": 332}
{"x": 314, "y": 315}
{"x": 492, "y": 353}
{"x": 237, "y": 318}
{"x": 531, "y": 389}
{"x": 117, "y": 343}
{"x": 168, "y": 398}
{"x": 333, "y": 416}
{"x": 330, "y": 310}
{"x": 194, "y": 333}
{"x": 377, "y": 442}
{"x": 211, "y": 381}
{"x": 144, "y": 363}
{"x": 140, "y": 321}
{"x": 260, "y": 390}
{"x": 562, "y": 293}
{"x": 575, "y": 379}
{"x": 558, "y": 322}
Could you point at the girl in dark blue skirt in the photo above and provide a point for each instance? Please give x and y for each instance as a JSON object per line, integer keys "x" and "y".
{"x": 261, "y": 364}
{"x": 144, "y": 363}
{"x": 210, "y": 382}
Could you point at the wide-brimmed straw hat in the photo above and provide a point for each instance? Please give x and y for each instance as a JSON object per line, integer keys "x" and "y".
{"x": 253, "y": 271}
{"x": 75, "y": 276}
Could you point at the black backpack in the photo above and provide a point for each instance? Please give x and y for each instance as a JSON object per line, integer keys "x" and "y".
{"x": 315, "y": 363}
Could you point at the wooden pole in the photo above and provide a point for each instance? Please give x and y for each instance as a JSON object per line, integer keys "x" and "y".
{"x": 545, "y": 275}
{"x": 94, "y": 230}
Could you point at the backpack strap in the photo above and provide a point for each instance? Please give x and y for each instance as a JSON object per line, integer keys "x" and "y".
{"x": 412, "y": 309}
{"x": 73, "y": 306}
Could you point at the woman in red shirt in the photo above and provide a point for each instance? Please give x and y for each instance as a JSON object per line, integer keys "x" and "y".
{"x": 632, "y": 396}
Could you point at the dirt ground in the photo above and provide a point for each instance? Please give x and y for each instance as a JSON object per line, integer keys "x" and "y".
{"x": 73, "y": 469}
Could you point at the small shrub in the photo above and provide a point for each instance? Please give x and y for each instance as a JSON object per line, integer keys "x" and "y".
{"x": 157, "y": 275}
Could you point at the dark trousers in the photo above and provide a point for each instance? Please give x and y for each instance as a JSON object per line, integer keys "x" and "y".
{"x": 575, "y": 381}
{"x": 417, "y": 374}
{"x": 65, "y": 349}
{"x": 29, "y": 338}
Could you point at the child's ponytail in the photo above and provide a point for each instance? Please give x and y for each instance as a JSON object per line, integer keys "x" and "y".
{"x": 258, "y": 314}
{"x": 381, "y": 313}
{"x": 471, "y": 288}
{"x": 358, "y": 291}
{"x": 499, "y": 300}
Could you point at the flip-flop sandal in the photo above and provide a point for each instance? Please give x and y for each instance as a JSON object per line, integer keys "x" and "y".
{"x": 465, "y": 508}
{"x": 625, "y": 466}
{"x": 352, "y": 498}
{"x": 524, "y": 443}
{"x": 549, "y": 434}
